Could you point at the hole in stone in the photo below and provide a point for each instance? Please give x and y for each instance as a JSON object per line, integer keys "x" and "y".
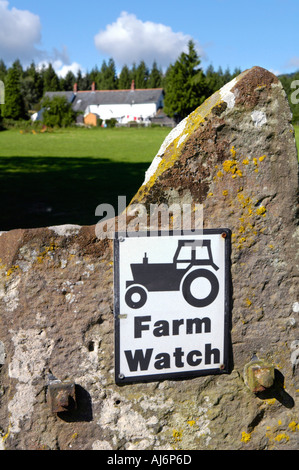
{"x": 117, "y": 402}
{"x": 91, "y": 346}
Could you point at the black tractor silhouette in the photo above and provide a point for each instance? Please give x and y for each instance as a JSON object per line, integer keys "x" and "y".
{"x": 175, "y": 276}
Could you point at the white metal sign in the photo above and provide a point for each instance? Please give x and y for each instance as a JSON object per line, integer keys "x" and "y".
{"x": 171, "y": 310}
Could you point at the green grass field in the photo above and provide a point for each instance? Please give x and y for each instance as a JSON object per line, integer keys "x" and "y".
{"x": 61, "y": 177}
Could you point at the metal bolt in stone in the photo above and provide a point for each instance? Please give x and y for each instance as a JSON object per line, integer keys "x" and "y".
{"x": 61, "y": 396}
{"x": 259, "y": 375}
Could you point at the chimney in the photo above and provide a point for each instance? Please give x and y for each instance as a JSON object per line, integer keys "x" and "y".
{"x": 75, "y": 87}
{"x": 133, "y": 85}
{"x": 93, "y": 86}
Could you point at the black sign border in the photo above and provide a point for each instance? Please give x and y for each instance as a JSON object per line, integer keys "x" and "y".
{"x": 226, "y": 367}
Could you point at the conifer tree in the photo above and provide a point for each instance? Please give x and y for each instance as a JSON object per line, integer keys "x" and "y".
{"x": 14, "y": 107}
{"x": 3, "y": 70}
{"x": 51, "y": 80}
{"x": 155, "y": 77}
{"x": 124, "y": 80}
{"x": 67, "y": 83}
{"x": 142, "y": 75}
{"x": 108, "y": 76}
{"x": 185, "y": 84}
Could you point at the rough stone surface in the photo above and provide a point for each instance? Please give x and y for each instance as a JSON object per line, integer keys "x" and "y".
{"x": 236, "y": 155}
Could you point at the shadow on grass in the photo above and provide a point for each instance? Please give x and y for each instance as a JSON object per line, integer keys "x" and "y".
{"x": 45, "y": 191}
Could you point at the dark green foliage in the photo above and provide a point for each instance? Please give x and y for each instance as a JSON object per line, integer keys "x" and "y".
{"x": 3, "y": 71}
{"x": 58, "y": 112}
{"x": 142, "y": 75}
{"x": 14, "y": 107}
{"x": 32, "y": 87}
{"x": 67, "y": 83}
{"x": 185, "y": 84}
{"x": 83, "y": 82}
{"x": 110, "y": 123}
{"x": 124, "y": 80}
{"x": 155, "y": 77}
{"x": 107, "y": 78}
{"x": 51, "y": 80}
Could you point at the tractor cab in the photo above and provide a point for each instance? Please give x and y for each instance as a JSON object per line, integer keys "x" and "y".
{"x": 193, "y": 253}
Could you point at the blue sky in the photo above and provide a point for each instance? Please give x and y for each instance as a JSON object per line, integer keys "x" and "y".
{"x": 227, "y": 33}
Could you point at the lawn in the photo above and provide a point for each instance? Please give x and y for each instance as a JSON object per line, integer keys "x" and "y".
{"x": 61, "y": 177}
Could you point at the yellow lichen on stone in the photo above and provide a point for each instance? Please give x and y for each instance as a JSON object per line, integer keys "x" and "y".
{"x": 233, "y": 152}
{"x": 229, "y": 166}
{"x": 191, "y": 422}
{"x": 177, "y": 435}
{"x": 294, "y": 426}
{"x": 281, "y": 436}
{"x": 46, "y": 251}
{"x": 12, "y": 270}
{"x": 245, "y": 437}
{"x": 261, "y": 211}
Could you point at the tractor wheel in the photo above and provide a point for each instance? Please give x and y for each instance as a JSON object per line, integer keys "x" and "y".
{"x": 140, "y": 294}
{"x": 187, "y": 290}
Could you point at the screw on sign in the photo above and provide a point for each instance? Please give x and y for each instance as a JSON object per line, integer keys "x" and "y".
{"x": 171, "y": 305}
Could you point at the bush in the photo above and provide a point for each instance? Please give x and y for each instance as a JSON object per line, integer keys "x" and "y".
{"x": 58, "y": 112}
{"x": 132, "y": 124}
{"x": 111, "y": 122}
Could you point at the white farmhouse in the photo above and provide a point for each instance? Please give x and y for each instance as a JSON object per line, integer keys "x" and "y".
{"x": 138, "y": 105}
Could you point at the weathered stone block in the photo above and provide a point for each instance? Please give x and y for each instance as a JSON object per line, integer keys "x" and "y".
{"x": 236, "y": 155}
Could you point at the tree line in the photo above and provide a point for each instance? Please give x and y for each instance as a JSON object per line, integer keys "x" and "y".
{"x": 185, "y": 83}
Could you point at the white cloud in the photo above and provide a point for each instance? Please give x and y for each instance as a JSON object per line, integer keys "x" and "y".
{"x": 62, "y": 70}
{"x": 130, "y": 40}
{"x": 20, "y": 32}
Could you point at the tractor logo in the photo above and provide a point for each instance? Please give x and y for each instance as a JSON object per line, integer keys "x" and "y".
{"x": 183, "y": 274}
